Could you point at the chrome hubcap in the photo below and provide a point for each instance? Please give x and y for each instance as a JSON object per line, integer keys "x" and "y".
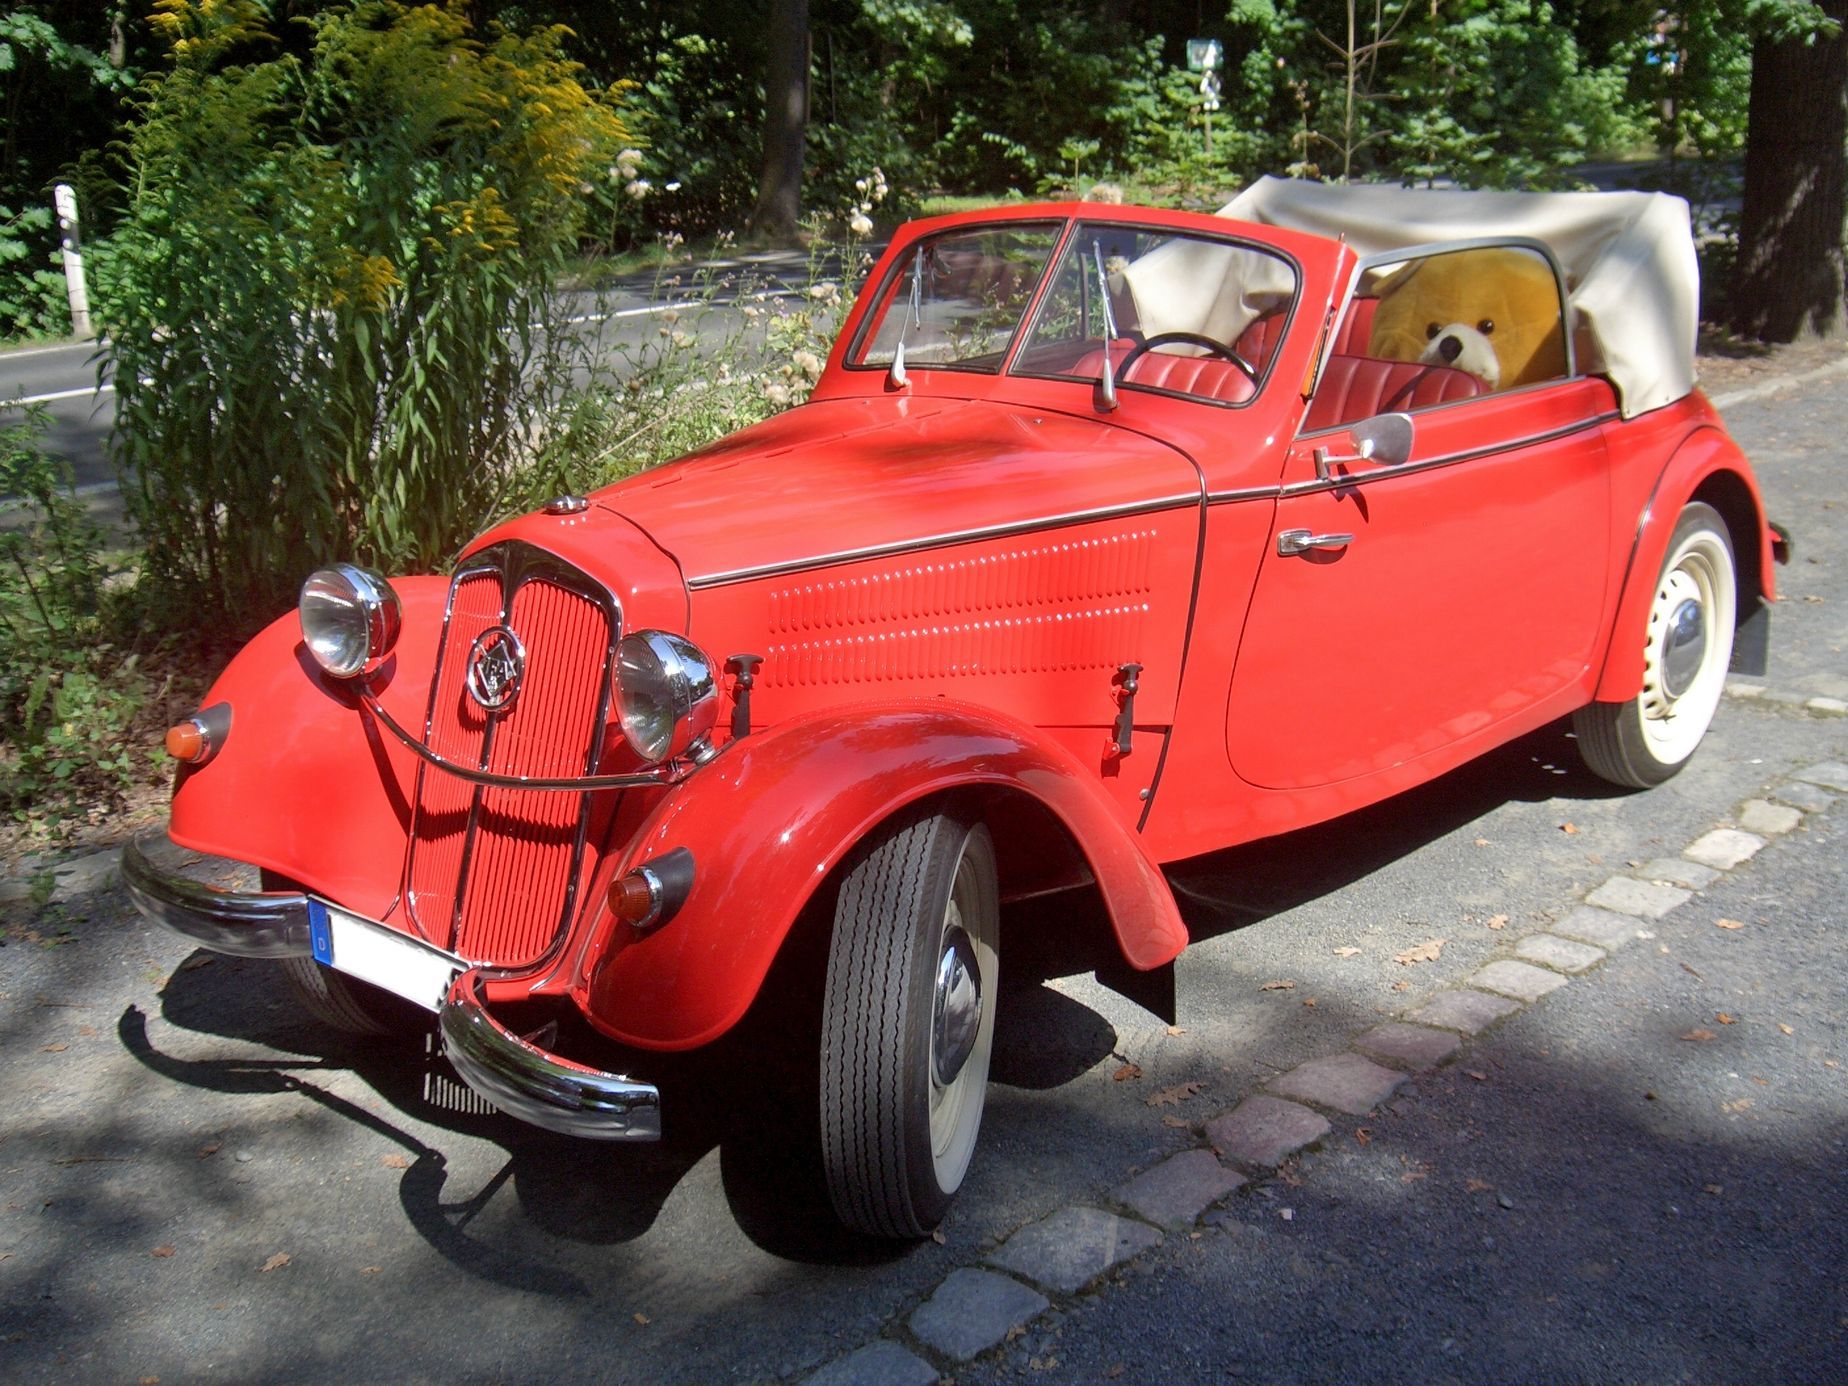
{"x": 956, "y": 1007}
{"x": 1684, "y": 645}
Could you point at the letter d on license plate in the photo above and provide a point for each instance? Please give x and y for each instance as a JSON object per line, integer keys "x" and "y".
{"x": 392, "y": 961}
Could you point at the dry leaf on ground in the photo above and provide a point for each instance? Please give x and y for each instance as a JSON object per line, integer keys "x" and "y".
{"x": 1478, "y": 1185}
{"x": 1498, "y": 921}
{"x": 1167, "y": 1097}
{"x": 1728, "y": 924}
{"x": 395, "y": 1162}
{"x": 1482, "y": 842}
{"x": 1127, "y": 1072}
{"x": 162, "y": 1251}
{"x": 1363, "y": 1134}
{"x": 1176, "y": 1123}
{"x": 1698, "y": 1035}
{"x": 642, "y": 1319}
{"x": 1785, "y": 1028}
{"x": 1568, "y": 828}
{"x": 1423, "y": 952}
{"x": 1401, "y": 986}
{"x": 276, "y": 1262}
{"x": 1278, "y": 986}
{"x": 1479, "y": 1077}
{"x": 1346, "y": 952}
{"x": 1724, "y": 1018}
{"x": 53, "y": 1048}
{"x": 1177, "y": 1029}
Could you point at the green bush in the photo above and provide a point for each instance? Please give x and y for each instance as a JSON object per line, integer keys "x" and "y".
{"x": 68, "y": 698}
{"x": 330, "y": 300}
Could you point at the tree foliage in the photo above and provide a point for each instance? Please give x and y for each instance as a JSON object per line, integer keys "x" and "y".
{"x": 326, "y": 300}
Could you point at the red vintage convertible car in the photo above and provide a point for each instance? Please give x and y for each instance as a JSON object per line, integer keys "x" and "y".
{"x": 1110, "y": 536}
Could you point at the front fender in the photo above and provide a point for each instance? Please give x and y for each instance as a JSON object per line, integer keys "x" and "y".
{"x": 774, "y": 814}
{"x": 305, "y": 785}
{"x": 1707, "y": 466}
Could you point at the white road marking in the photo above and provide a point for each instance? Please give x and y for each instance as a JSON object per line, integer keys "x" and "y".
{"x": 56, "y": 395}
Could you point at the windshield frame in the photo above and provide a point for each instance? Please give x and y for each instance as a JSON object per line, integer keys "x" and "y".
{"x": 993, "y": 364}
{"x": 1068, "y": 242}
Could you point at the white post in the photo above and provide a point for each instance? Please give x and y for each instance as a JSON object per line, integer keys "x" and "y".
{"x": 64, "y": 197}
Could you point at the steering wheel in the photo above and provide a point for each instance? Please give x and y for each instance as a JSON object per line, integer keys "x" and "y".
{"x": 1218, "y": 348}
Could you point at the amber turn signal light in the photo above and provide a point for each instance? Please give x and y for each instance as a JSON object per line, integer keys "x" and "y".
{"x": 201, "y": 736}
{"x": 632, "y": 900}
{"x": 186, "y": 741}
{"x": 653, "y": 893}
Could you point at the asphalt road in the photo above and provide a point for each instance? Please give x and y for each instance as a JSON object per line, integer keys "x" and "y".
{"x": 174, "y": 1129}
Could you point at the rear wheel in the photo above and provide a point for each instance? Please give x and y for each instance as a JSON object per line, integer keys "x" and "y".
{"x": 1687, "y": 647}
{"x": 908, "y": 1022}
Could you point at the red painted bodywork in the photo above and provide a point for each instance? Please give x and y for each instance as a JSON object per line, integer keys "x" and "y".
{"x": 945, "y": 579}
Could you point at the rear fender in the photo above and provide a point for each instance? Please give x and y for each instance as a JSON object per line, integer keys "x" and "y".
{"x": 1707, "y": 467}
{"x": 774, "y": 814}
{"x": 305, "y": 784}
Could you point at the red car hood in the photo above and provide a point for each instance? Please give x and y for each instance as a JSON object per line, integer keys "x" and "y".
{"x": 849, "y": 477}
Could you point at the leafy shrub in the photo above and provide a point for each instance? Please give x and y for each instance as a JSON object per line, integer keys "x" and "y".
{"x": 67, "y": 695}
{"x": 330, "y": 299}
{"x": 31, "y": 293}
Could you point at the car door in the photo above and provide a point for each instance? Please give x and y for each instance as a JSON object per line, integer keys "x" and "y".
{"x": 1467, "y": 591}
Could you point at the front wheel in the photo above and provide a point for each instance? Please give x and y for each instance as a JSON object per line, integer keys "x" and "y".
{"x": 1687, "y": 648}
{"x": 908, "y": 1022}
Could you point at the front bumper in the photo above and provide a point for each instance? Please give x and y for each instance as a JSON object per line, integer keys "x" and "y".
{"x": 245, "y": 924}
{"x": 514, "y": 1074}
{"x": 545, "y": 1089}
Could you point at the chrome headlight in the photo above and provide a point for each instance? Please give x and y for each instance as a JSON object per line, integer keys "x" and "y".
{"x": 350, "y": 619}
{"x": 666, "y": 694}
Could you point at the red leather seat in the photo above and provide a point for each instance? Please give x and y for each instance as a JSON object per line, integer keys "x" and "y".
{"x": 1257, "y": 342}
{"x": 1204, "y": 377}
{"x": 1357, "y": 328}
{"x": 1358, "y": 387}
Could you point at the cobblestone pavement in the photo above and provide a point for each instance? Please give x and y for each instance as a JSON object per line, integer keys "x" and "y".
{"x": 1510, "y": 1077}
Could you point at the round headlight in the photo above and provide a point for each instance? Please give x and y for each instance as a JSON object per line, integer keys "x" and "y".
{"x": 666, "y": 694}
{"x": 350, "y": 619}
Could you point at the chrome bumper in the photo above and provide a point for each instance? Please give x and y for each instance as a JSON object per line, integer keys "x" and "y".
{"x": 525, "y": 1081}
{"x": 517, "y": 1076}
{"x": 246, "y": 924}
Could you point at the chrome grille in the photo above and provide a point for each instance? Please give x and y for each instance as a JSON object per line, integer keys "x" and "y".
{"x": 493, "y": 873}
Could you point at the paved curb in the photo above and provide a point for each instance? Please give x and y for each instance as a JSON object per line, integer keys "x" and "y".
{"x": 1766, "y": 389}
{"x": 1816, "y": 705}
{"x": 1050, "y": 1263}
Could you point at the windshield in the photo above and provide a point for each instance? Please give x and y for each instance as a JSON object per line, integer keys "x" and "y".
{"x": 1183, "y": 314}
{"x": 956, "y": 299}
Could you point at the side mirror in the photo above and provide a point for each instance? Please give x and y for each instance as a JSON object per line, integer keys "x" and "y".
{"x": 1384, "y": 438}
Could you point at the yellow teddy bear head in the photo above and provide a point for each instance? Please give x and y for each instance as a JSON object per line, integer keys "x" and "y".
{"x": 1493, "y": 312}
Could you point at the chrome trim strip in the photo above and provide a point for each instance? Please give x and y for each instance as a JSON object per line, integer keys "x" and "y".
{"x": 539, "y": 1087}
{"x": 1384, "y": 473}
{"x": 1244, "y": 493}
{"x": 245, "y": 924}
{"x": 934, "y": 541}
{"x": 670, "y": 773}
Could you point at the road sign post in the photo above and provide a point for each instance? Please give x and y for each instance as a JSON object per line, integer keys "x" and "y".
{"x": 64, "y": 198}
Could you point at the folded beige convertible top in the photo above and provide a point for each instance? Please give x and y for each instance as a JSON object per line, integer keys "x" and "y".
{"x": 1629, "y": 260}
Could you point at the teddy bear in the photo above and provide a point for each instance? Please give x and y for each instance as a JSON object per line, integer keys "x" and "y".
{"x": 1492, "y": 312}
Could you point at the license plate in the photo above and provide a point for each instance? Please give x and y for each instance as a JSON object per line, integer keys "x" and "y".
{"x": 405, "y": 966}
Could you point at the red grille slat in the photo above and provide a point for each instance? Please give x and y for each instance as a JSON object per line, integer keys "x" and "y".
{"x": 515, "y": 867}
{"x": 457, "y": 727}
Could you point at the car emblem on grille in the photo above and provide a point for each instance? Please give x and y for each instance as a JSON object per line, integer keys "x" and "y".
{"x": 496, "y": 664}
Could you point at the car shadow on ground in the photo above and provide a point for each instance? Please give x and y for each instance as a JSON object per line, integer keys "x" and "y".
{"x": 750, "y": 1096}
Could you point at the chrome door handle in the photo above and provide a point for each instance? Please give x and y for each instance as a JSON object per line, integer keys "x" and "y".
{"x": 1292, "y": 542}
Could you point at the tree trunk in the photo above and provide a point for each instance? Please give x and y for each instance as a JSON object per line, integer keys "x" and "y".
{"x": 1790, "y": 280}
{"x": 786, "y": 100}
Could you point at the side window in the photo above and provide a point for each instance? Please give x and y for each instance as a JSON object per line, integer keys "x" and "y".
{"x": 1442, "y": 327}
